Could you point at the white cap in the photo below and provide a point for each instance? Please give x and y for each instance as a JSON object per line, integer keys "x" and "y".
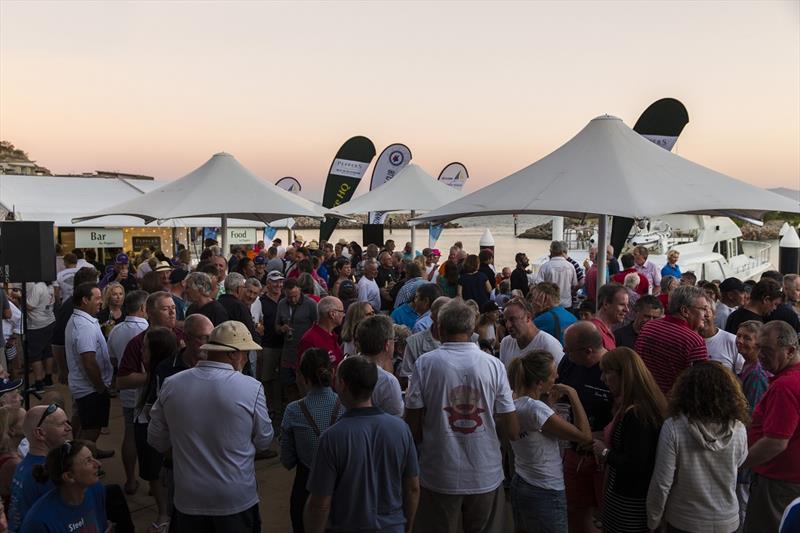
{"x": 783, "y": 230}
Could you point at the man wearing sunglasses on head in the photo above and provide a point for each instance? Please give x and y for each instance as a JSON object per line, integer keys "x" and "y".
{"x": 46, "y": 428}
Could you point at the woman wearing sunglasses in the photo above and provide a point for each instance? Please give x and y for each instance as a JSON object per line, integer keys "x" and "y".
{"x": 77, "y": 503}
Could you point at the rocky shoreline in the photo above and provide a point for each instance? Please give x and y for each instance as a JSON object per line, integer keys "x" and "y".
{"x": 750, "y": 232}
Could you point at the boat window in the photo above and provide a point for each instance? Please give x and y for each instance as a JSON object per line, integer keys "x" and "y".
{"x": 723, "y": 249}
{"x": 739, "y": 247}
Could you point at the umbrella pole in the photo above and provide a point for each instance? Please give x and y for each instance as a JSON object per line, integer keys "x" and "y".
{"x": 224, "y": 235}
{"x": 413, "y": 236}
{"x": 602, "y": 244}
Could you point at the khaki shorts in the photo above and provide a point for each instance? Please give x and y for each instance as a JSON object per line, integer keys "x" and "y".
{"x": 478, "y": 513}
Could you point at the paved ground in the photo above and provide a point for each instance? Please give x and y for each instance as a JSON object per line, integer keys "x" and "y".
{"x": 274, "y": 481}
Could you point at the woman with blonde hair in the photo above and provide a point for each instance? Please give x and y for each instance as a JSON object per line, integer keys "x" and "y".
{"x": 704, "y": 434}
{"x": 629, "y": 443}
{"x": 538, "y": 497}
{"x": 355, "y": 314}
{"x": 111, "y": 312}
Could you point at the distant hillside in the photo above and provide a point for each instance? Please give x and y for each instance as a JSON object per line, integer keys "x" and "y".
{"x": 16, "y": 161}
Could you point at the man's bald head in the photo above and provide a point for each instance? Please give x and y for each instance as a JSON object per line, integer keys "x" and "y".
{"x": 583, "y": 343}
{"x": 45, "y": 434}
{"x": 198, "y": 324}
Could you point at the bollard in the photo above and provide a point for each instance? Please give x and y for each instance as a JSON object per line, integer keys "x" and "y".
{"x": 487, "y": 240}
{"x": 789, "y": 252}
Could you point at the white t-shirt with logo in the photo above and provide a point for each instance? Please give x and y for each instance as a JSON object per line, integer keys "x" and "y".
{"x": 461, "y": 388}
{"x": 537, "y": 457}
{"x": 510, "y": 350}
{"x": 722, "y": 347}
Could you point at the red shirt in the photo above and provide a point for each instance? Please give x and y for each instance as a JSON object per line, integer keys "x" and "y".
{"x": 644, "y": 285}
{"x": 609, "y": 341}
{"x": 777, "y": 416}
{"x": 131, "y": 361}
{"x": 316, "y": 337}
{"x": 668, "y": 346}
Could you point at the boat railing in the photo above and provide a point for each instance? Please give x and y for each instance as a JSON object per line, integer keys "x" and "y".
{"x": 758, "y": 254}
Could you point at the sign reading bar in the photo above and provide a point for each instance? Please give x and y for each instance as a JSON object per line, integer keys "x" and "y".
{"x": 242, "y": 236}
{"x": 98, "y": 238}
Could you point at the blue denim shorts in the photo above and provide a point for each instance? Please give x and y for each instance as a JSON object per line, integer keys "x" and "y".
{"x": 538, "y": 510}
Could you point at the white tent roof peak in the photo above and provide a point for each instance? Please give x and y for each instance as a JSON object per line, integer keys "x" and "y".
{"x": 220, "y": 186}
{"x": 607, "y": 168}
{"x": 411, "y": 189}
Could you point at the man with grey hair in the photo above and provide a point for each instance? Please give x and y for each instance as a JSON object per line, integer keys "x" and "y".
{"x": 791, "y": 292}
{"x": 200, "y": 291}
{"x": 214, "y": 419}
{"x": 424, "y": 342}
{"x": 375, "y": 338}
{"x": 368, "y": 290}
{"x": 133, "y": 307}
{"x": 672, "y": 344}
{"x": 234, "y": 303}
{"x": 458, "y": 403}
{"x": 559, "y": 271}
{"x": 774, "y": 433}
{"x": 330, "y": 315}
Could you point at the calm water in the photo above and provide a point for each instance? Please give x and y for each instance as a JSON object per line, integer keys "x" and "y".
{"x": 501, "y": 227}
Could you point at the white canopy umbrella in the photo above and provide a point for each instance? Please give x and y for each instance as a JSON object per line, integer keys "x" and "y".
{"x": 220, "y": 187}
{"x": 412, "y": 189}
{"x": 609, "y": 169}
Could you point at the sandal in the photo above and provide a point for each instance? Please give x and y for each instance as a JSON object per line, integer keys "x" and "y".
{"x": 159, "y": 528}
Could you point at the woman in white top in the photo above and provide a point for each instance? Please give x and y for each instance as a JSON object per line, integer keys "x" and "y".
{"x": 701, "y": 446}
{"x": 538, "y": 499}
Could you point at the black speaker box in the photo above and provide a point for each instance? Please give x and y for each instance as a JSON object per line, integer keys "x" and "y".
{"x": 27, "y": 252}
{"x": 372, "y": 234}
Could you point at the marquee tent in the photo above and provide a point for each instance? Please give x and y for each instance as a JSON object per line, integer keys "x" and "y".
{"x": 609, "y": 169}
{"x": 220, "y": 187}
{"x": 412, "y": 189}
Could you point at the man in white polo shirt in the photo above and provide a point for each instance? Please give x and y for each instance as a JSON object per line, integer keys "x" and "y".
{"x": 523, "y": 335}
{"x": 458, "y": 404}
{"x": 214, "y": 419}
{"x": 89, "y": 364}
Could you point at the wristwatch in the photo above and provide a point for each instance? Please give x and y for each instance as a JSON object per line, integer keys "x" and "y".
{"x": 604, "y": 454}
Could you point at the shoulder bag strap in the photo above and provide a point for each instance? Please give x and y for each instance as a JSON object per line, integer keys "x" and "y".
{"x": 335, "y": 413}
{"x": 309, "y": 418}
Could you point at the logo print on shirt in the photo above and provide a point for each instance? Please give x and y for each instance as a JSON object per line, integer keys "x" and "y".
{"x": 464, "y": 415}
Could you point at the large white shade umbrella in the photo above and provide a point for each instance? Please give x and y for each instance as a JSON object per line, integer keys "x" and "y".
{"x": 412, "y": 189}
{"x": 220, "y": 187}
{"x": 609, "y": 169}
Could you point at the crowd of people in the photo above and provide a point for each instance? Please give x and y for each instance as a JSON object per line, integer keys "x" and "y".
{"x": 407, "y": 391}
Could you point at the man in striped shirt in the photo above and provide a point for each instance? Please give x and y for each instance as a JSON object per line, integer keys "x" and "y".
{"x": 672, "y": 344}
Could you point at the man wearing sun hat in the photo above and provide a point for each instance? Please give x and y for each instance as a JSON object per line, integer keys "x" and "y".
{"x": 164, "y": 269}
{"x": 214, "y": 419}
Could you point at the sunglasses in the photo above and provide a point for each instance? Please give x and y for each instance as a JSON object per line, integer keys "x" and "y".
{"x": 52, "y": 408}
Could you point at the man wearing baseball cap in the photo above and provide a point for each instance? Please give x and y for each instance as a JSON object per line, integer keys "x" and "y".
{"x": 731, "y": 292}
{"x": 119, "y": 272}
{"x": 214, "y": 419}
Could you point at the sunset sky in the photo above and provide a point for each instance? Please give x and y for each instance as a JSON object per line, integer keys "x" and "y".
{"x": 158, "y": 87}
